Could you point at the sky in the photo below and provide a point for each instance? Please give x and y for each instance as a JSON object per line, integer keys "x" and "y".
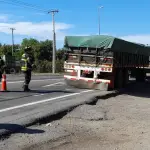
{"x": 126, "y": 19}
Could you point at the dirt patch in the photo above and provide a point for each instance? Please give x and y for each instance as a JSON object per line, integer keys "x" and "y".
{"x": 117, "y": 123}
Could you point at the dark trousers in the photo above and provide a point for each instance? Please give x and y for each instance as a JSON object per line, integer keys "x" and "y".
{"x": 27, "y": 75}
{"x": 0, "y": 76}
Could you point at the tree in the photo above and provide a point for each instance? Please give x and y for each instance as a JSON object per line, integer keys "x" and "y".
{"x": 41, "y": 50}
{"x": 35, "y": 45}
{"x": 46, "y": 50}
{"x": 60, "y": 54}
{"x": 7, "y": 49}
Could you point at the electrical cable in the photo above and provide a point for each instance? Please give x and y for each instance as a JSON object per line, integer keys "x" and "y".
{"x": 23, "y": 4}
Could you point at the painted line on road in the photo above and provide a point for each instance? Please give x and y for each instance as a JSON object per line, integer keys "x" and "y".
{"x": 53, "y": 84}
{"x": 34, "y": 80}
{"x": 39, "y": 95}
{"x": 43, "y": 101}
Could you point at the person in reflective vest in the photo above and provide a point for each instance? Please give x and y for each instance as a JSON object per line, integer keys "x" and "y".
{"x": 27, "y": 66}
{"x": 2, "y": 67}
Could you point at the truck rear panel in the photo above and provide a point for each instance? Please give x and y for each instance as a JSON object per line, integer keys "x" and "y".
{"x": 95, "y": 67}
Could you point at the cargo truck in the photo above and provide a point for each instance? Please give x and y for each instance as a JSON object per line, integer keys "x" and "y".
{"x": 103, "y": 62}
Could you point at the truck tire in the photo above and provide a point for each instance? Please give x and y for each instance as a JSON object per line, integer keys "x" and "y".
{"x": 12, "y": 71}
{"x": 125, "y": 77}
{"x": 140, "y": 75}
{"x": 119, "y": 78}
{"x": 133, "y": 73}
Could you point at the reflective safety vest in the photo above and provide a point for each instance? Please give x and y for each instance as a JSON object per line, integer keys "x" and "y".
{"x": 24, "y": 63}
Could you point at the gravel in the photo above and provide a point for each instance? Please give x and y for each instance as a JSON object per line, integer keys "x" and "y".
{"x": 117, "y": 123}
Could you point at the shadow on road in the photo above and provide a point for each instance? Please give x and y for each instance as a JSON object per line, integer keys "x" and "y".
{"x": 138, "y": 89}
{"x": 49, "y": 91}
{"x": 23, "y": 94}
{"x": 15, "y": 128}
{"x": 39, "y": 91}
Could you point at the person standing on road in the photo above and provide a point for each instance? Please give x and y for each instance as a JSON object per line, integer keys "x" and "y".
{"x": 27, "y": 66}
{"x": 2, "y": 67}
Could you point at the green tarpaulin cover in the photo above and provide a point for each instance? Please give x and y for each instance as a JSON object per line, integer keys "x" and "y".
{"x": 106, "y": 42}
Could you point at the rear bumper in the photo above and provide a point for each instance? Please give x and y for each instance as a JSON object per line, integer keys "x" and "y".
{"x": 86, "y": 83}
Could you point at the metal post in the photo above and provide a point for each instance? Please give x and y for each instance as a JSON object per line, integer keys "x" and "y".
{"x": 54, "y": 41}
{"x": 99, "y": 18}
{"x": 12, "y": 40}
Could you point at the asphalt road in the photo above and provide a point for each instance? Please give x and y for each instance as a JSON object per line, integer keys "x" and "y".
{"x": 49, "y": 94}
{"x": 117, "y": 122}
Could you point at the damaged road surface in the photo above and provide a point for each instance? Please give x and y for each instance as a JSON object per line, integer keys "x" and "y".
{"x": 49, "y": 98}
{"x": 119, "y": 122}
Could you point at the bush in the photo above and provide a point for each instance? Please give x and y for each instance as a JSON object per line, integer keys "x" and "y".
{"x": 46, "y": 66}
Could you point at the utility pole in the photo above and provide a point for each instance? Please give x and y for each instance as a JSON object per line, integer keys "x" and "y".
{"x": 54, "y": 40}
{"x": 12, "y": 29}
{"x": 99, "y": 18}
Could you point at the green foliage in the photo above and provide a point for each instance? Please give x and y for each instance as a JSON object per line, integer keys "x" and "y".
{"x": 42, "y": 52}
{"x": 46, "y": 66}
{"x": 35, "y": 45}
{"x": 18, "y": 54}
{"x": 46, "y": 50}
{"x": 60, "y": 54}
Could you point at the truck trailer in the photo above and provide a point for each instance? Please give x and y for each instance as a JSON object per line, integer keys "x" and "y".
{"x": 103, "y": 62}
{"x": 12, "y": 65}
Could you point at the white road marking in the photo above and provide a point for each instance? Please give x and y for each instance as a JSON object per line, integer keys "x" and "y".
{"x": 43, "y": 101}
{"x": 87, "y": 91}
{"x": 48, "y": 124}
{"x": 53, "y": 84}
{"x": 68, "y": 89}
{"x": 39, "y": 95}
{"x": 34, "y": 80}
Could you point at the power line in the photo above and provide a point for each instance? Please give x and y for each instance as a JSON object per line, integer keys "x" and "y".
{"x": 27, "y": 5}
{"x": 23, "y": 4}
{"x": 30, "y": 5}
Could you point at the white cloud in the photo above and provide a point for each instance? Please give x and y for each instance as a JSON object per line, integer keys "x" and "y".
{"x": 3, "y": 18}
{"x": 41, "y": 30}
{"x": 41, "y": 14}
{"x": 143, "y": 39}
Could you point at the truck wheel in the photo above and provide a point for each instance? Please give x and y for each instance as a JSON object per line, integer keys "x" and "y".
{"x": 133, "y": 73}
{"x": 119, "y": 78}
{"x": 125, "y": 77}
{"x": 140, "y": 75}
{"x": 12, "y": 71}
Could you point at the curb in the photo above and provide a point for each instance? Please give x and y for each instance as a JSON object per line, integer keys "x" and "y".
{"x": 48, "y": 117}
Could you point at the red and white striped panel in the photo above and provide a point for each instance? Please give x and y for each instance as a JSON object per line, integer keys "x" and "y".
{"x": 98, "y": 69}
{"x": 71, "y": 72}
{"x": 69, "y": 66}
{"x": 87, "y": 79}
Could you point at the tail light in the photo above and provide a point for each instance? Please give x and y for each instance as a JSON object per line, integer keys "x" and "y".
{"x": 70, "y": 57}
{"x": 74, "y": 73}
{"x": 107, "y": 60}
{"x": 109, "y": 69}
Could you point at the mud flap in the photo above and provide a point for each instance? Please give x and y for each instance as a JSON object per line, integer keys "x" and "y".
{"x": 87, "y": 85}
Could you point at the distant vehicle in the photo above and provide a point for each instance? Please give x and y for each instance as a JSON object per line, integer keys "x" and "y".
{"x": 103, "y": 62}
{"x": 12, "y": 66}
